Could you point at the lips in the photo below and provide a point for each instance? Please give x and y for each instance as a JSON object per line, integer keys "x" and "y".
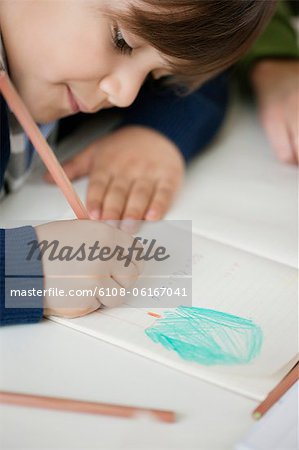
{"x": 73, "y": 103}
{"x": 77, "y": 106}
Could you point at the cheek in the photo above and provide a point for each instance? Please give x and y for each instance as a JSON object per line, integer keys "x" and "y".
{"x": 83, "y": 63}
{"x": 46, "y": 103}
{"x": 41, "y": 69}
{"x": 79, "y": 49}
{"x": 84, "y": 53}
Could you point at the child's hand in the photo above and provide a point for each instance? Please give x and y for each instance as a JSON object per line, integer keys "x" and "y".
{"x": 84, "y": 274}
{"x": 276, "y": 83}
{"x": 135, "y": 173}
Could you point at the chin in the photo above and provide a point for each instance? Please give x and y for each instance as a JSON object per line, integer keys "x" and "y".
{"x": 44, "y": 118}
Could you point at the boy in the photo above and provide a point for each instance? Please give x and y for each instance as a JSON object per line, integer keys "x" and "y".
{"x": 128, "y": 156}
{"x": 85, "y": 55}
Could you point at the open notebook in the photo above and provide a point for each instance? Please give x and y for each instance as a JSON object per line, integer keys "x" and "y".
{"x": 226, "y": 280}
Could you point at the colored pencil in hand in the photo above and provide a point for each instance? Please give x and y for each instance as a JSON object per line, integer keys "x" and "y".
{"x": 21, "y": 112}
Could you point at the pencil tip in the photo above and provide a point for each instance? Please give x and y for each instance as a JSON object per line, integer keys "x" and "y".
{"x": 257, "y": 415}
{"x": 157, "y": 316}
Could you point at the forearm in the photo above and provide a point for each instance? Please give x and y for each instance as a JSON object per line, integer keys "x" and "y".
{"x": 271, "y": 75}
{"x": 189, "y": 121}
{"x": 17, "y": 277}
{"x": 279, "y": 41}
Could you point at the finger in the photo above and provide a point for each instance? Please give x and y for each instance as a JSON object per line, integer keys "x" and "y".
{"x": 294, "y": 133}
{"x": 97, "y": 187}
{"x": 70, "y": 311}
{"x": 139, "y": 199}
{"x": 137, "y": 204}
{"x": 125, "y": 276}
{"x": 277, "y": 132}
{"x": 294, "y": 145}
{"x": 132, "y": 246}
{"x": 115, "y": 198}
{"x": 161, "y": 201}
{"x": 76, "y": 167}
{"x": 130, "y": 226}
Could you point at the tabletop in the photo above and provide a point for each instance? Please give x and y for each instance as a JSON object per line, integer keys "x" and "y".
{"x": 48, "y": 359}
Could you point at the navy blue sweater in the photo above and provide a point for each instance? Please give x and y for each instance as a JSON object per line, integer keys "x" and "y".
{"x": 189, "y": 121}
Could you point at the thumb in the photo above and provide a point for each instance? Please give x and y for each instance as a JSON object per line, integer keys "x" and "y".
{"x": 55, "y": 308}
{"x": 76, "y": 167}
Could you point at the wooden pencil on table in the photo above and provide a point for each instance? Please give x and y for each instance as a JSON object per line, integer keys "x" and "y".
{"x": 275, "y": 395}
{"x": 79, "y": 406}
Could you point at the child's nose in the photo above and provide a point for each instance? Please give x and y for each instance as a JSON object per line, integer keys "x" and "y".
{"x": 89, "y": 97}
{"x": 121, "y": 91}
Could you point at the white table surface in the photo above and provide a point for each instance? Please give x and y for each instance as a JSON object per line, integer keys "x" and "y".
{"x": 51, "y": 360}
{"x": 226, "y": 189}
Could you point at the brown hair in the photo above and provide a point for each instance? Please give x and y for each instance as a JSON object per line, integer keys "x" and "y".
{"x": 200, "y": 38}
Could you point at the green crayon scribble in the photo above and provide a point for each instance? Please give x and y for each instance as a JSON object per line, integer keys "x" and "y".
{"x": 206, "y": 336}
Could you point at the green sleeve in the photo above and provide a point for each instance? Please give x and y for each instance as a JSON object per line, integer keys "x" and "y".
{"x": 279, "y": 40}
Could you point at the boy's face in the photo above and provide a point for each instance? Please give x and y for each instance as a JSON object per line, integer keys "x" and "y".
{"x": 67, "y": 56}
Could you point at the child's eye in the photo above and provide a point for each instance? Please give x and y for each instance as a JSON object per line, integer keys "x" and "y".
{"x": 120, "y": 42}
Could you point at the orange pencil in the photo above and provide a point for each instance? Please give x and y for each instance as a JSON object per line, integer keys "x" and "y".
{"x": 277, "y": 392}
{"x": 21, "y": 112}
{"x": 79, "y": 406}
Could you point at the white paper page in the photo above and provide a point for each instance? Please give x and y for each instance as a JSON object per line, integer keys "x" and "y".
{"x": 239, "y": 283}
{"x": 228, "y": 280}
{"x": 278, "y": 429}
